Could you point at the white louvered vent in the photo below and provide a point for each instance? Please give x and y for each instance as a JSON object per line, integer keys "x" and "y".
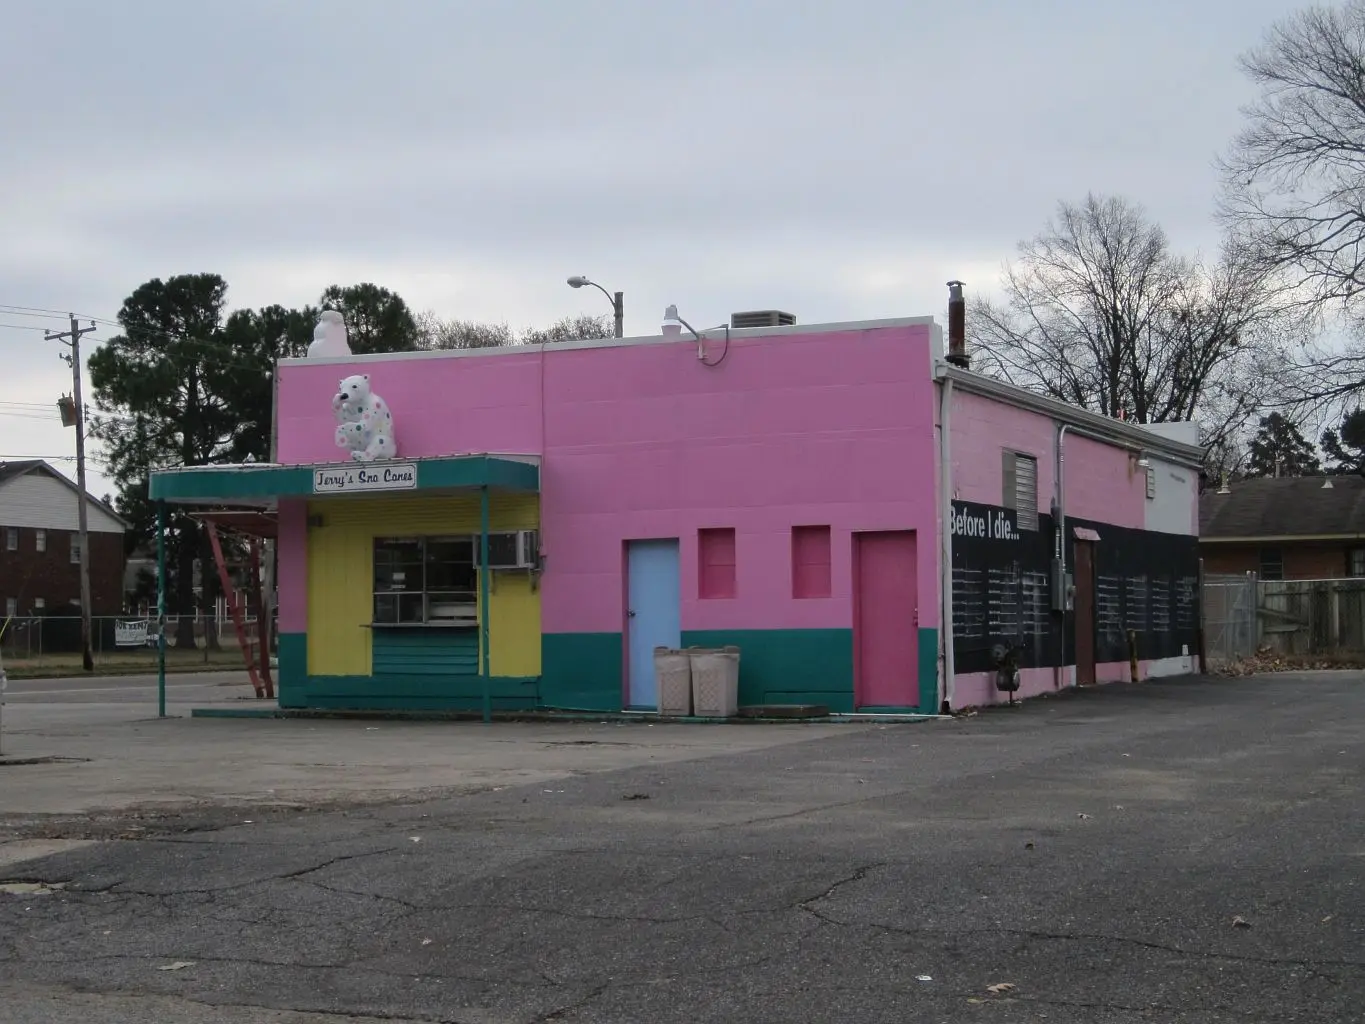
{"x": 1020, "y": 473}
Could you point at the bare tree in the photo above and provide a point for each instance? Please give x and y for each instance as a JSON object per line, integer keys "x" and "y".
{"x": 1295, "y": 175}
{"x": 1098, "y": 311}
{"x": 457, "y": 334}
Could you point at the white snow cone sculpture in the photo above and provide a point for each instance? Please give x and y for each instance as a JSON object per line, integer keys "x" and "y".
{"x": 329, "y": 336}
{"x": 364, "y": 423}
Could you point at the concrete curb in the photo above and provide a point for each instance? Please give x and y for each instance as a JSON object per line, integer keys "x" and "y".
{"x": 529, "y": 716}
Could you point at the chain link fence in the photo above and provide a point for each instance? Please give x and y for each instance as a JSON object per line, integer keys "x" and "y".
{"x": 53, "y": 642}
{"x": 1230, "y": 620}
{"x": 1245, "y": 616}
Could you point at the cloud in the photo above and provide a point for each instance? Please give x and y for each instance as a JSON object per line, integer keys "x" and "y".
{"x": 838, "y": 160}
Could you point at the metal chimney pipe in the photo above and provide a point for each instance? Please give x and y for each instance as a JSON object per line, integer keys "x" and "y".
{"x": 957, "y": 326}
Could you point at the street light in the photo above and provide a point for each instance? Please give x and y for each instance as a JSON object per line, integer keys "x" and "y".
{"x": 617, "y": 300}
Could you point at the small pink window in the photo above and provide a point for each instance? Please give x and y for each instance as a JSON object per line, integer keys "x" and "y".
{"x": 810, "y": 561}
{"x": 716, "y": 555}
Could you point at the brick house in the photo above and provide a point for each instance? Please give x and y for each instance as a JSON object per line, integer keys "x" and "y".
{"x": 40, "y": 545}
{"x": 1285, "y": 528}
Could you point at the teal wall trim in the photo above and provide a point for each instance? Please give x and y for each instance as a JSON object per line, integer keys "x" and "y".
{"x": 581, "y": 671}
{"x": 928, "y": 671}
{"x": 419, "y": 692}
{"x": 426, "y": 652}
{"x": 788, "y": 666}
{"x": 292, "y": 674}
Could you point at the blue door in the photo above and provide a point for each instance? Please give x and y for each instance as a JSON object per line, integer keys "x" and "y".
{"x": 653, "y": 615}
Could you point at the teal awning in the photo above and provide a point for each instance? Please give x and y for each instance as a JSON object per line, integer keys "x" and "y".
{"x": 257, "y": 484}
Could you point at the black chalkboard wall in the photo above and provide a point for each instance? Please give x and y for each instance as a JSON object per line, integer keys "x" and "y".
{"x": 1145, "y": 581}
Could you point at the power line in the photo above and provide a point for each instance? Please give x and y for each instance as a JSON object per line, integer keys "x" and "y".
{"x": 17, "y": 311}
{"x": 64, "y": 314}
{"x": 24, "y": 327}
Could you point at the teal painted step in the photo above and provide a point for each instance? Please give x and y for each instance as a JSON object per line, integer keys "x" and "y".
{"x": 293, "y": 670}
{"x": 788, "y": 666}
{"x": 581, "y": 671}
{"x": 426, "y": 652}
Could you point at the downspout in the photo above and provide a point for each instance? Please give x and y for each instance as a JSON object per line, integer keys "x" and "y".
{"x": 945, "y": 471}
{"x": 1059, "y": 500}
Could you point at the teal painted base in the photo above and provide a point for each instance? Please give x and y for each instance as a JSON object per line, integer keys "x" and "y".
{"x": 582, "y": 671}
{"x": 419, "y": 692}
{"x": 413, "y": 673}
{"x": 928, "y": 671}
{"x": 293, "y": 671}
{"x": 788, "y": 666}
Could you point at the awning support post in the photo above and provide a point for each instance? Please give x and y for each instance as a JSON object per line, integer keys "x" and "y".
{"x": 161, "y": 608}
{"x": 485, "y": 669}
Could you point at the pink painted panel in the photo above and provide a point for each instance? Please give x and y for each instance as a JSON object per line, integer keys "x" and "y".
{"x": 977, "y": 689}
{"x": 981, "y": 428}
{"x": 1102, "y": 482}
{"x": 885, "y": 633}
{"x": 643, "y": 441}
{"x": 292, "y": 584}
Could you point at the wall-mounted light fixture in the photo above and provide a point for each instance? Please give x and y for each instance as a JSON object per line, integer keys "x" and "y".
{"x": 673, "y": 327}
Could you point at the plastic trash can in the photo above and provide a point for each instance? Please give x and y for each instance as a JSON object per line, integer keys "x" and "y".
{"x": 715, "y": 681}
{"x": 673, "y": 675}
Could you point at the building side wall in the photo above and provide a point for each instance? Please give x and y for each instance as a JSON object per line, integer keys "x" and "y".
{"x": 28, "y": 574}
{"x": 36, "y": 500}
{"x": 1302, "y": 560}
{"x": 327, "y": 650}
{"x": 1146, "y": 557}
{"x": 644, "y": 441}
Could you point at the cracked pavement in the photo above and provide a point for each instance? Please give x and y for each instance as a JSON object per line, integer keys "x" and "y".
{"x": 1090, "y": 852}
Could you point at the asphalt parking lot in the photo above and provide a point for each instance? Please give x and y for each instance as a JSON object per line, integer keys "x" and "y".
{"x": 1185, "y": 850}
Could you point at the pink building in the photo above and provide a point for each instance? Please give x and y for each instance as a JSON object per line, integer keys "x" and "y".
{"x": 555, "y": 514}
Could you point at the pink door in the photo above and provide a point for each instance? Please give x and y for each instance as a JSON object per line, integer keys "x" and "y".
{"x": 885, "y": 620}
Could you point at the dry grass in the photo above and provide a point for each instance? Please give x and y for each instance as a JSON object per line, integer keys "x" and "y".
{"x": 125, "y": 662}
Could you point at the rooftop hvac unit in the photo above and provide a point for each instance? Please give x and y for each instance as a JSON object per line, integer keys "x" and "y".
{"x": 762, "y": 318}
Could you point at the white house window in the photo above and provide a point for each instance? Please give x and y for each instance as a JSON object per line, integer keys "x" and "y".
{"x": 1272, "y": 564}
{"x": 75, "y": 549}
{"x": 1356, "y": 563}
{"x": 40, "y": 539}
{"x": 39, "y": 604}
{"x": 11, "y": 539}
{"x": 1020, "y": 487}
{"x": 11, "y": 607}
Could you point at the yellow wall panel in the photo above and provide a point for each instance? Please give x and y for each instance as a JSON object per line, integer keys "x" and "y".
{"x": 514, "y": 625}
{"x": 341, "y": 577}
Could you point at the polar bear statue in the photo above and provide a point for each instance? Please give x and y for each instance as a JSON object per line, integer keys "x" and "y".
{"x": 366, "y": 426}
{"x": 329, "y": 336}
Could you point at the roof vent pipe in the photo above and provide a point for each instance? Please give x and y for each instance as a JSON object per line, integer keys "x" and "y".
{"x": 957, "y": 326}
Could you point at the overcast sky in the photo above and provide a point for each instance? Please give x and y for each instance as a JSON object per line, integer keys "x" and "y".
{"x": 840, "y": 160}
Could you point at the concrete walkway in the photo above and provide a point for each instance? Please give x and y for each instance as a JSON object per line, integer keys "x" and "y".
{"x": 108, "y": 752}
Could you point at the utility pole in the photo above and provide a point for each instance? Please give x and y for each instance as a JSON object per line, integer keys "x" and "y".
{"x": 72, "y": 339}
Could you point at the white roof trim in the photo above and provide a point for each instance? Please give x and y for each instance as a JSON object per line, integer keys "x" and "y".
{"x": 1119, "y": 432}
{"x": 711, "y": 334}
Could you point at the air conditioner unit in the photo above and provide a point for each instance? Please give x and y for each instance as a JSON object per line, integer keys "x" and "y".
{"x": 762, "y": 318}
{"x": 519, "y": 550}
